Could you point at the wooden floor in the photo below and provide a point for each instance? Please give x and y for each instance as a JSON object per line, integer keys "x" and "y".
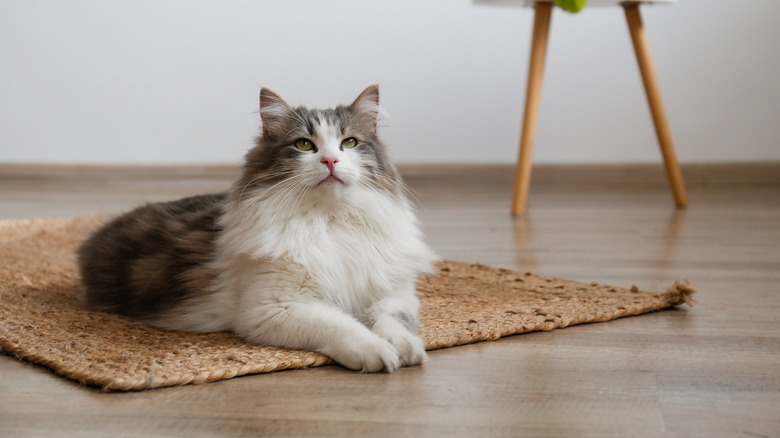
{"x": 710, "y": 371}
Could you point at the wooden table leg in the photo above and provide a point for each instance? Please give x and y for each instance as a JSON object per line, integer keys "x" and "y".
{"x": 532, "y": 99}
{"x": 642, "y": 49}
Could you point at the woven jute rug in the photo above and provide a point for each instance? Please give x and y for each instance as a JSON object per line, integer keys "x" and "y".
{"x": 42, "y": 322}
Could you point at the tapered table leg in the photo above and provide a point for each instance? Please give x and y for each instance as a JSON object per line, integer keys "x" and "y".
{"x": 642, "y": 49}
{"x": 532, "y": 99}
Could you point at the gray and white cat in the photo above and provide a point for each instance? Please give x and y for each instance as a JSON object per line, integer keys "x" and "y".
{"x": 315, "y": 247}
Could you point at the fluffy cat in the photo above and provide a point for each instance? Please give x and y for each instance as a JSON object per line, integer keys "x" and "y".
{"x": 315, "y": 247}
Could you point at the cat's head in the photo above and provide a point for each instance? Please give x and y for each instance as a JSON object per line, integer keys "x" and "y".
{"x": 327, "y": 152}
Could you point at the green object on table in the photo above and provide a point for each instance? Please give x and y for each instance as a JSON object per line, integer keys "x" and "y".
{"x": 572, "y": 6}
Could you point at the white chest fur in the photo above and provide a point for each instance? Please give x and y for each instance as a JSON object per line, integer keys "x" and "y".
{"x": 351, "y": 254}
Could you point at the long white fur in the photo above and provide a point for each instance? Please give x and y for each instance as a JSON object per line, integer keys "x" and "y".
{"x": 325, "y": 266}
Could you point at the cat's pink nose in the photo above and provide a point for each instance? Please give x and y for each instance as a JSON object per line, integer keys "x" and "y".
{"x": 330, "y": 162}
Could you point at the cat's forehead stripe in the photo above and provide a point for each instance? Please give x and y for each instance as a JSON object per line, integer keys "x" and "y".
{"x": 326, "y": 128}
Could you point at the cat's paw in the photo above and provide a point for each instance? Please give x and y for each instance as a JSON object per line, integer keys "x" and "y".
{"x": 369, "y": 356}
{"x": 410, "y": 347}
{"x": 411, "y": 350}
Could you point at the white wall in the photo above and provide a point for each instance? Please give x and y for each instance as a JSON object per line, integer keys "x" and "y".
{"x": 176, "y": 81}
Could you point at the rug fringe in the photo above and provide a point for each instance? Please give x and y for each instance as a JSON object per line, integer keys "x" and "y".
{"x": 683, "y": 291}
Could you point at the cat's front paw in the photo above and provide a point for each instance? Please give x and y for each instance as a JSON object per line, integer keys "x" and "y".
{"x": 410, "y": 347}
{"x": 369, "y": 356}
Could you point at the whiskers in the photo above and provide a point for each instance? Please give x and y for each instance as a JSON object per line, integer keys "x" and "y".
{"x": 280, "y": 193}
{"x": 411, "y": 193}
{"x": 289, "y": 197}
{"x": 376, "y": 189}
{"x": 275, "y": 196}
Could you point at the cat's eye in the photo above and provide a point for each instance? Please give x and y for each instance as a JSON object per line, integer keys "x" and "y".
{"x": 349, "y": 143}
{"x": 304, "y": 145}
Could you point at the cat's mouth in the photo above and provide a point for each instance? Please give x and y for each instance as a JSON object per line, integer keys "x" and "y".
{"x": 330, "y": 179}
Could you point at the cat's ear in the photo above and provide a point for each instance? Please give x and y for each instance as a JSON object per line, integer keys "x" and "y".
{"x": 366, "y": 106}
{"x": 274, "y": 112}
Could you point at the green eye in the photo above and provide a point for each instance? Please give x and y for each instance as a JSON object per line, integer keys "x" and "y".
{"x": 304, "y": 145}
{"x": 348, "y": 143}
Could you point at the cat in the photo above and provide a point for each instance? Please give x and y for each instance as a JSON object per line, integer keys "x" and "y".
{"x": 315, "y": 247}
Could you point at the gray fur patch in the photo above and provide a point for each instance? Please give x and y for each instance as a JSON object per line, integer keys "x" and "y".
{"x": 408, "y": 320}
